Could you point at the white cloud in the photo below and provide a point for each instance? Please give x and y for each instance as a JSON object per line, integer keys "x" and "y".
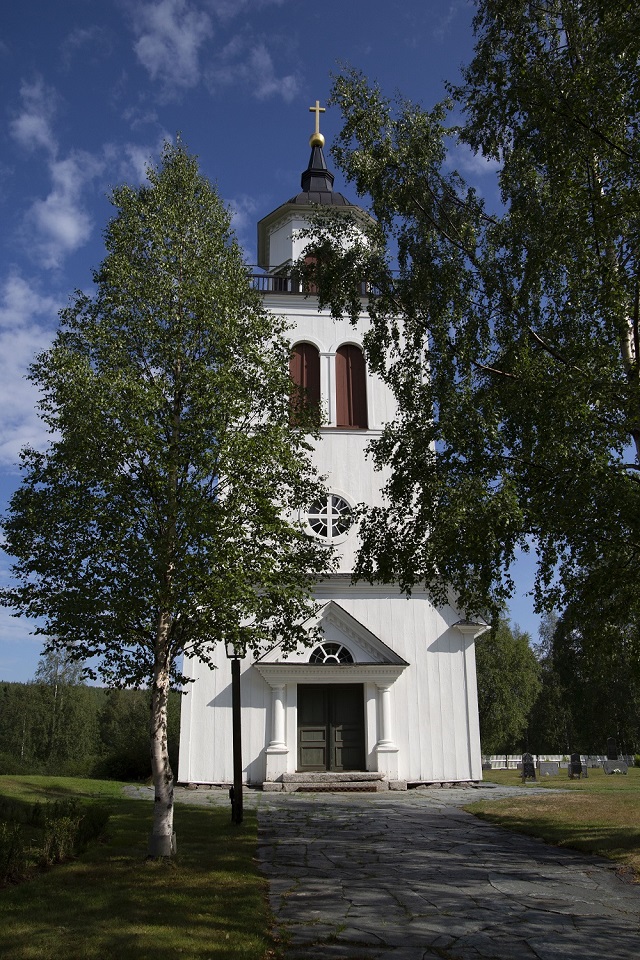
{"x": 444, "y": 22}
{"x": 138, "y": 117}
{"x": 242, "y": 61}
{"x": 243, "y": 221}
{"x": 32, "y": 128}
{"x": 94, "y": 40}
{"x": 134, "y": 162}
{"x": 227, "y": 9}
{"x": 170, "y": 40}
{"x": 27, "y": 324}
{"x": 170, "y": 34}
{"x": 464, "y": 159}
{"x": 60, "y": 223}
{"x": 57, "y": 225}
{"x": 267, "y": 83}
{"x": 129, "y": 162}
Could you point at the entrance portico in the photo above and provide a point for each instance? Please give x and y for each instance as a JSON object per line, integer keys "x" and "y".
{"x": 331, "y": 716}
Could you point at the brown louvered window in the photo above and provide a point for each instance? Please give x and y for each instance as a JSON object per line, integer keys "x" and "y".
{"x": 304, "y": 370}
{"x": 351, "y": 388}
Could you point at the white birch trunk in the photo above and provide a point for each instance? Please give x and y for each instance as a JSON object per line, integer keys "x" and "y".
{"x": 162, "y": 842}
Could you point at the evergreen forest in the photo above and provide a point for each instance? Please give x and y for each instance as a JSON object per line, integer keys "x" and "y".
{"x": 71, "y": 729}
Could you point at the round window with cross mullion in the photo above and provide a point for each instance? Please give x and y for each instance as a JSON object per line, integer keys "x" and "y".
{"x": 330, "y": 518}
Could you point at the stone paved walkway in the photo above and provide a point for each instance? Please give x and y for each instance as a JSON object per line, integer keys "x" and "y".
{"x": 413, "y": 877}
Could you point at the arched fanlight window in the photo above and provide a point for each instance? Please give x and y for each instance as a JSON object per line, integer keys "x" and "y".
{"x": 351, "y": 387}
{"x": 304, "y": 370}
{"x": 330, "y": 653}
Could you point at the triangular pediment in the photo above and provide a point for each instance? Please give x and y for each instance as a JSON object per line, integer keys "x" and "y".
{"x": 339, "y": 626}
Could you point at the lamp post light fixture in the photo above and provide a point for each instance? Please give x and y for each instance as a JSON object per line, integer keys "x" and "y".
{"x": 236, "y": 651}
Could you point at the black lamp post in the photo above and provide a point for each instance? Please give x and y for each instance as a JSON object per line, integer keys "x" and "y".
{"x": 235, "y": 653}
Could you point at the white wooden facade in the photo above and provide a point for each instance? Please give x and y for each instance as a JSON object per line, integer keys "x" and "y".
{"x": 415, "y": 664}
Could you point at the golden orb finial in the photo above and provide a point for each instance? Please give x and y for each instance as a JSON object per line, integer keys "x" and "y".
{"x": 316, "y": 139}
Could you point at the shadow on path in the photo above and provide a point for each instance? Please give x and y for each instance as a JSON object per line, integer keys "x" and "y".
{"x": 408, "y": 878}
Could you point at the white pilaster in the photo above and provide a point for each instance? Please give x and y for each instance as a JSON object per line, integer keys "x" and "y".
{"x": 386, "y": 748}
{"x": 277, "y": 750}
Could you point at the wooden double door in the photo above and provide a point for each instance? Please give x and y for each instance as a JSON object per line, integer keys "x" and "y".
{"x": 331, "y": 727}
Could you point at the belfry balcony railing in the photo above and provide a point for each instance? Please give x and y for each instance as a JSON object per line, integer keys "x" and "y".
{"x": 293, "y": 284}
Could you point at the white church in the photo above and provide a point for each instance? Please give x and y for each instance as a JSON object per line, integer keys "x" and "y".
{"x": 388, "y": 698}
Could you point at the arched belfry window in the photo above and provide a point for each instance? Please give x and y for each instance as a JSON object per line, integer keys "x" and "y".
{"x": 351, "y": 387}
{"x": 304, "y": 370}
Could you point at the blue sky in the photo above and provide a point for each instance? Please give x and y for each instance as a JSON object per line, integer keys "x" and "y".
{"x": 91, "y": 90}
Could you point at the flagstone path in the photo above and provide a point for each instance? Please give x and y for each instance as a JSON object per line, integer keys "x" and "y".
{"x": 413, "y": 877}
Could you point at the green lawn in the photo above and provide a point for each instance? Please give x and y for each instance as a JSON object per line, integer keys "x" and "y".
{"x": 209, "y": 902}
{"x": 600, "y": 814}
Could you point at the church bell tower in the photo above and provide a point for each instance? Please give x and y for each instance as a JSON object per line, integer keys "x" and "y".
{"x": 388, "y": 696}
{"x": 327, "y": 359}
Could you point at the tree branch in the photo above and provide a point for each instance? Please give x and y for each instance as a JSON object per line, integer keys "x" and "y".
{"x": 502, "y": 373}
{"x": 552, "y": 351}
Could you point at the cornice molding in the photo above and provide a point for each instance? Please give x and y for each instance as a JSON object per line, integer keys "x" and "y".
{"x": 383, "y": 674}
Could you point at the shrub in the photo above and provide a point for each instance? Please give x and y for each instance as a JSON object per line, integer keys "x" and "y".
{"x": 58, "y": 839}
{"x": 66, "y": 826}
{"x": 13, "y": 858}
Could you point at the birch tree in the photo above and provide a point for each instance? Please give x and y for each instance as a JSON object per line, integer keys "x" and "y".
{"x": 511, "y": 338}
{"x": 162, "y": 518}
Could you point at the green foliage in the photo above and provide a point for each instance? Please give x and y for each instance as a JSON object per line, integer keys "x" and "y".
{"x": 63, "y": 829}
{"x": 511, "y": 342}
{"x": 123, "y": 723}
{"x": 508, "y": 683}
{"x": 105, "y": 734}
{"x": 597, "y": 666}
{"x": 45, "y": 727}
{"x": 551, "y": 728}
{"x": 164, "y": 502}
{"x": 13, "y": 858}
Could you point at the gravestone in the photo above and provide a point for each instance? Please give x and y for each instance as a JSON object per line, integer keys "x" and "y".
{"x": 528, "y": 767}
{"x": 576, "y": 767}
{"x": 615, "y": 766}
{"x": 548, "y": 768}
{"x": 612, "y": 749}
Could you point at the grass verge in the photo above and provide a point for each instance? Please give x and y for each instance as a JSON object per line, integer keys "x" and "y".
{"x": 208, "y": 902}
{"x": 600, "y": 814}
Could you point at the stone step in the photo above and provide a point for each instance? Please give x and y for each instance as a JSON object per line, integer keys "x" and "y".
{"x": 341, "y": 786}
{"x": 329, "y": 776}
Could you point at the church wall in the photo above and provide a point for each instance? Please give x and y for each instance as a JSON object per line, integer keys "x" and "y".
{"x": 206, "y": 723}
{"x": 434, "y": 714}
{"x": 284, "y": 245}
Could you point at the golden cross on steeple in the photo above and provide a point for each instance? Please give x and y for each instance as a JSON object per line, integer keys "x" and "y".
{"x": 316, "y": 139}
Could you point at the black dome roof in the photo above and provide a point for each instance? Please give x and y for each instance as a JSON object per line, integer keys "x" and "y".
{"x": 317, "y": 184}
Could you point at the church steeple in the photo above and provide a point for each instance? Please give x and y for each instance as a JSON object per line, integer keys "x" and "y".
{"x": 277, "y": 244}
{"x": 316, "y": 178}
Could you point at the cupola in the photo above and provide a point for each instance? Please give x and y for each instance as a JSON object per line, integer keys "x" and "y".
{"x": 277, "y": 244}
